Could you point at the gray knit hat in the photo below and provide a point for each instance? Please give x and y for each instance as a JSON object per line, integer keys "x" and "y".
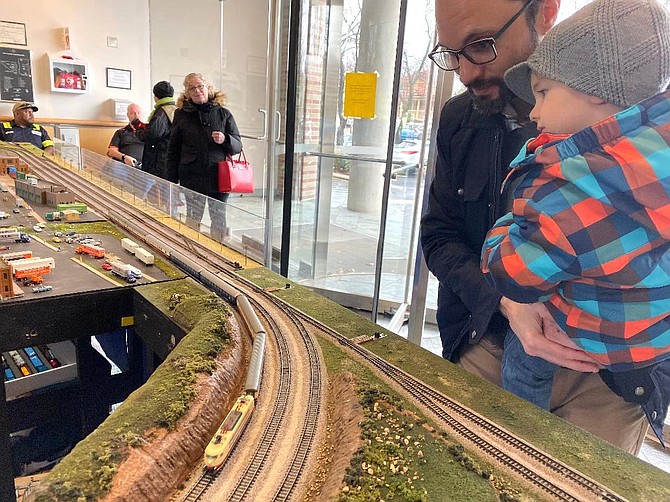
{"x": 617, "y": 50}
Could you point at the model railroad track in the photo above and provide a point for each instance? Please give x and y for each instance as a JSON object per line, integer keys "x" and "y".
{"x": 198, "y": 489}
{"x": 311, "y": 420}
{"x": 101, "y": 200}
{"x": 453, "y": 414}
{"x": 445, "y": 409}
{"x": 311, "y": 423}
{"x": 269, "y": 436}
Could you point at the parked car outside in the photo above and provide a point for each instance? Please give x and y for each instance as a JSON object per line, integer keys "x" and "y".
{"x": 407, "y": 152}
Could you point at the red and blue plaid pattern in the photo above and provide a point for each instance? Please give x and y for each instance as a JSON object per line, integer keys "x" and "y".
{"x": 589, "y": 233}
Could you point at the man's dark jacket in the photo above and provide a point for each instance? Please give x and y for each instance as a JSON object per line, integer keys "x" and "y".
{"x": 474, "y": 153}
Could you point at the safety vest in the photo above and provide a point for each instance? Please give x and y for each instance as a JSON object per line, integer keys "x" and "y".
{"x": 8, "y": 125}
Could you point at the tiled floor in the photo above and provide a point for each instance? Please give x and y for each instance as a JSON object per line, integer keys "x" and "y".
{"x": 654, "y": 454}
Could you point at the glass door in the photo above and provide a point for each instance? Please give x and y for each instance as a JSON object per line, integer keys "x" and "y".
{"x": 253, "y": 52}
{"x": 332, "y": 101}
{"x": 361, "y": 137}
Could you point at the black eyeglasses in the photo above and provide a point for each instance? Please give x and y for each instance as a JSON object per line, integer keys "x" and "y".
{"x": 480, "y": 51}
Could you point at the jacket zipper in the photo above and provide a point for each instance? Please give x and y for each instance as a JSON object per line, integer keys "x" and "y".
{"x": 495, "y": 182}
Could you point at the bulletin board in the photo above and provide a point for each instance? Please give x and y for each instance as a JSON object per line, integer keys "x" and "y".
{"x": 16, "y": 75}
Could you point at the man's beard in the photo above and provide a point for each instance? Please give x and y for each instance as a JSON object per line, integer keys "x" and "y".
{"x": 487, "y": 105}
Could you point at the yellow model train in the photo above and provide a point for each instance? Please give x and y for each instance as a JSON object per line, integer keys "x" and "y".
{"x": 229, "y": 433}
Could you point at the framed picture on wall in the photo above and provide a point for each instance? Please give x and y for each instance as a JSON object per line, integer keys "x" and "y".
{"x": 13, "y": 33}
{"x": 118, "y": 78}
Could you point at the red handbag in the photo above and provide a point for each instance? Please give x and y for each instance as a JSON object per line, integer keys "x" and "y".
{"x": 236, "y": 175}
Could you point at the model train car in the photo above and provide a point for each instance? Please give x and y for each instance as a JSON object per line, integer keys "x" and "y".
{"x": 227, "y": 435}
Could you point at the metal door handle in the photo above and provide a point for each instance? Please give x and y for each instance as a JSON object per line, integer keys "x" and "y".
{"x": 265, "y": 124}
{"x": 278, "y": 126}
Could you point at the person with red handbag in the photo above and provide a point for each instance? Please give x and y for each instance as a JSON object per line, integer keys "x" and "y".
{"x": 203, "y": 133}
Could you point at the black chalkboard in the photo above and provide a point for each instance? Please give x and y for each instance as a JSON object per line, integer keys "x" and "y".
{"x": 16, "y": 76}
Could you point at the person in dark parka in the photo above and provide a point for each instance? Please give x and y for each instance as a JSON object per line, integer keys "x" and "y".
{"x": 156, "y": 133}
{"x": 204, "y": 132}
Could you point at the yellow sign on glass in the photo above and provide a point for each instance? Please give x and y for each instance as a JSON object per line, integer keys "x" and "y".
{"x": 360, "y": 95}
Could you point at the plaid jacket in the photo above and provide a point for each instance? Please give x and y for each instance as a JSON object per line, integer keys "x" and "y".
{"x": 589, "y": 233}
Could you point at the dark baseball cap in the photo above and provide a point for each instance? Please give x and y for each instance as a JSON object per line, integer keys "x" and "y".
{"x": 23, "y": 105}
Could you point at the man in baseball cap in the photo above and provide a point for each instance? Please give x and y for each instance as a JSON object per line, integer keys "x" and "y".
{"x": 24, "y": 130}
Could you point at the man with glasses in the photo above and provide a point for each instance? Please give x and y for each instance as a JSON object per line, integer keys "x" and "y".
{"x": 480, "y": 132}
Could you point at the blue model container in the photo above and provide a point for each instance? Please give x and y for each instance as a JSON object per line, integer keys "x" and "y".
{"x": 35, "y": 359}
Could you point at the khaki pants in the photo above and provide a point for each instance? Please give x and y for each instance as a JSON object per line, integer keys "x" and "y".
{"x": 582, "y": 399}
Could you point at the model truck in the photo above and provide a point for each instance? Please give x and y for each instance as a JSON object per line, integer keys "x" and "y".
{"x": 144, "y": 256}
{"x": 53, "y": 216}
{"x": 16, "y": 255}
{"x": 123, "y": 270}
{"x": 129, "y": 245}
{"x": 13, "y": 234}
{"x": 137, "y": 273}
{"x": 31, "y": 270}
{"x": 90, "y": 249}
{"x": 29, "y": 263}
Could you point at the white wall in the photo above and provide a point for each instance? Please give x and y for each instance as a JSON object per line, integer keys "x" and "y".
{"x": 90, "y": 23}
{"x": 193, "y": 44}
{"x": 185, "y": 38}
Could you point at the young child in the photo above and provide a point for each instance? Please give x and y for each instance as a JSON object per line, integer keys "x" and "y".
{"x": 589, "y": 231}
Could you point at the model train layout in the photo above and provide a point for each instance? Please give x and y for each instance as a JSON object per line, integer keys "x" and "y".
{"x": 289, "y": 413}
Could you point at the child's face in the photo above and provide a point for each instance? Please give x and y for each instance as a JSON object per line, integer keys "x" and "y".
{"x": 560, "y": 109}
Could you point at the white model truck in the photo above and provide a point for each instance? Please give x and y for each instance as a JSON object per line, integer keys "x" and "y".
{"x": 123, "y": 270}
{"x": 129, "y": 245}
{"x": 144, "y": 256}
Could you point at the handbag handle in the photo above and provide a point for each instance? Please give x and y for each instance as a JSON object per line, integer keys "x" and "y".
{"x": 240, "y": 155}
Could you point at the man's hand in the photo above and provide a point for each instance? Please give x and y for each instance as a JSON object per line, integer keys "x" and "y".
{"x": 130, "y": 161}
{"x": 542, "y": 337}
